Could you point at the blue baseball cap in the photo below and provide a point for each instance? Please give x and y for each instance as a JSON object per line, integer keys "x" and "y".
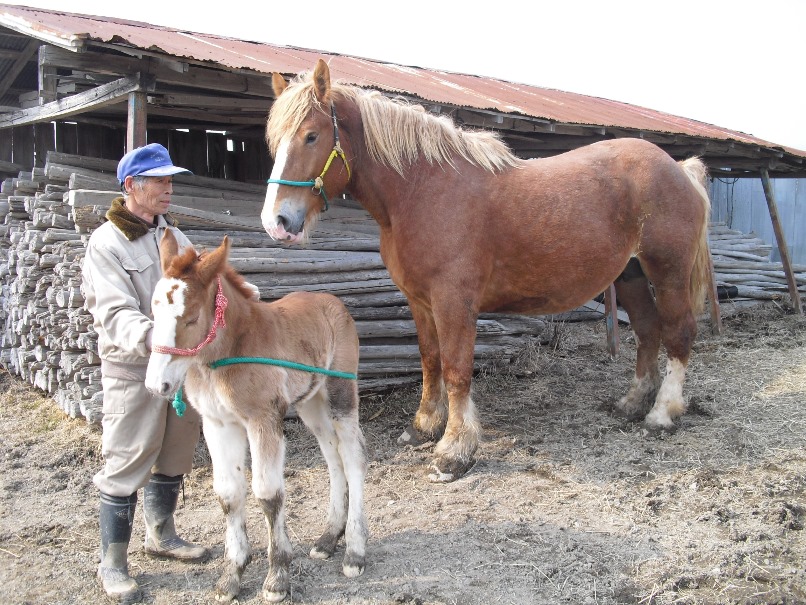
{"x": 150, "y": 160}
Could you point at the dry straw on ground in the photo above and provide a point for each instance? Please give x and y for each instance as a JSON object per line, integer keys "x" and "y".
{"x": 568, "y": 503}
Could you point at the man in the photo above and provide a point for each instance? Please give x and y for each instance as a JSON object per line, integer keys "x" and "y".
{"x": 145, "y": 443}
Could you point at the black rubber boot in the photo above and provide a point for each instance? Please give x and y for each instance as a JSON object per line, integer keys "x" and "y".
{"x": 116, "y": 518}
{"x": 159, "y": 504}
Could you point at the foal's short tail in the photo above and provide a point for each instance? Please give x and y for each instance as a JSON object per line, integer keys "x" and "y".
{"x": 697, "y": 172}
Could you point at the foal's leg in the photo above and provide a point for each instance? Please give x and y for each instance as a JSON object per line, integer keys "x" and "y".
{"x": 678, "y": 331}
{"x": 454, "y": 452}
{"x": 227, "y": 446}
{"x": 429, "y": 422}
{"x": 632, "y": 290}
{"x": 267, "y": 444}
{"x": 336, "y": 428}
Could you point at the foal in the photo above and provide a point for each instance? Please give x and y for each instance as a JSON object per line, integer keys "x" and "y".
{"x": 243, "y": 405}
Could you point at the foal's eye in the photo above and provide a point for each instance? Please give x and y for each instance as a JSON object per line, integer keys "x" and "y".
{"x": 191, "y": 322}
{"x": 311, "y": 137}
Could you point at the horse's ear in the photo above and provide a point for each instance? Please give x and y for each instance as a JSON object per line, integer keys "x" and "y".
{"x": 278, "y": 84}
{"x": 169, "y": 248}
{"x": 321, "y": 80}
{"x": 214, "y": 263}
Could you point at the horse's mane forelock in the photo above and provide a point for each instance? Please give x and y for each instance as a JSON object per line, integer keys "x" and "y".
{"x": 181, "y": 263}
{"x": 396, "y": 132}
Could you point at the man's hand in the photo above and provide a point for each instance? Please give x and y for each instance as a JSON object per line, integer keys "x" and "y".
{"x": 254, "y": 288}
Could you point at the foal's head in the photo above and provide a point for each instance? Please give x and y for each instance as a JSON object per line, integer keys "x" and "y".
{"x": 188, "y": 310}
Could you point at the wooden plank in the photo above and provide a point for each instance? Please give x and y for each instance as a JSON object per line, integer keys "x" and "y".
{"x": 93, "y": 99}
{"x": 781, "y": 240}
{"x": 610, "y": 320}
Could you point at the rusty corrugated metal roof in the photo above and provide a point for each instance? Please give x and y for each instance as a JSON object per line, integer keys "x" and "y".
{"x": 72, "y": 30}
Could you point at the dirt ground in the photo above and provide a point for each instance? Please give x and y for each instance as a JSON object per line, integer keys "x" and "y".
{"x": 568, "y": 503}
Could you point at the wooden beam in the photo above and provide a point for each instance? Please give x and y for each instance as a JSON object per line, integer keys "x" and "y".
{"x": 611, "y": 321}
{"x": 781, "y": 241}
{"x": 136, "y": 123}
{"x": 19, "y": 64}
{"x": 96, "y": 98}
{"x": 216, "y": 80}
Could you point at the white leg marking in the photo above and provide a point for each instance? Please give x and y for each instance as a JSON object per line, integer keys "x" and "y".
{"x": 669, "y": 403}
{"x": 227, "y": 445}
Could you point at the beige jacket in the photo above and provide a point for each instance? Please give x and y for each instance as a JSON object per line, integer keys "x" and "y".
{"x": 119, "y": 276}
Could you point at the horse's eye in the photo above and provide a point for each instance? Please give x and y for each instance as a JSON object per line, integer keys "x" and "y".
{"x": 191, "y": 322}
{"x": 311, "y": 137}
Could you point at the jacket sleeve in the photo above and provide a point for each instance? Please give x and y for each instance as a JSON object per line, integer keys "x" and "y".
{"x": 113, "y": 301}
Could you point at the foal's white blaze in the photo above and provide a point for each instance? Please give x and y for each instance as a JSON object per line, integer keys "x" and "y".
{"x": 669, "y": 403}
{"x": 268, "y": 216}
{"x": 167, "y": 305}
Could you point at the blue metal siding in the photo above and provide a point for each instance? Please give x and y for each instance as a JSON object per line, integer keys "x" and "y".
{"x": 740, "y": 203}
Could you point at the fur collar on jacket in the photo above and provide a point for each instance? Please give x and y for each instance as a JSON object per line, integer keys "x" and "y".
{"x": 131, "y": 226}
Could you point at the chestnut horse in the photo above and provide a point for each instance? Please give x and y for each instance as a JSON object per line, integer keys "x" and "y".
{"x": 257, "y": 360}
{"x": 466, "y": 227}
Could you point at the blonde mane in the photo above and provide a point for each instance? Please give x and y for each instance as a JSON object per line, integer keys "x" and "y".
{"x": 396, "y": 132}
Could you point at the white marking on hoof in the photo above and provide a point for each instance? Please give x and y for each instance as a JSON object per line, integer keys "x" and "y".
{"x": 274, "y": 597}
{"x": 318, "y": 554}
{"x": 658, "y": 420}
{"x": 352, "y": 571}
{"x": 437, "y": 476}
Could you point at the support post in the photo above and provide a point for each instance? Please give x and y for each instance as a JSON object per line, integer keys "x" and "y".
{"x": 781, "y": 241}
{"x": 136, "y": 123}
{"x": 611, "y": 320}
{"x": 713, "y": 298}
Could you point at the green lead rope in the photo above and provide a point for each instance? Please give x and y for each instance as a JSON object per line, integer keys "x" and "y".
{"x": 180, "y": 406}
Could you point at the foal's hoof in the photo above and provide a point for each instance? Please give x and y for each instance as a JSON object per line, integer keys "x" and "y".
{"x": 353, "y": 565}
{"x": 630, "y": 415}
{"x": 226, "y": 591}
{"x": 411, "y": 436}
{"x": 276, "y": 586}
{"x": 274, "y": 597}
{"x": 320, "y": 553}
{"x": 445, "y": 470}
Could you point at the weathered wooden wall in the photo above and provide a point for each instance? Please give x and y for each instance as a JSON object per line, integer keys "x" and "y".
{"x": 740, "y": 204}
{"x": 208, "y": 154}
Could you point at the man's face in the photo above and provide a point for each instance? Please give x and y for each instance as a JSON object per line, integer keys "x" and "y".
{"x": 152, "y": 199}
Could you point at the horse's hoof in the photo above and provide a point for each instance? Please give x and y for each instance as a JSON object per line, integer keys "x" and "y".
{"x": 274, "y": 597}
{"x": 318, "y": 553}
{"x": 655, "y": 428}
{"x": 352, "y": 566}
{"x": 412, "y": 436}
{"x": 630, "y": 415}
{"x": 445, "y": 470}
{"x": 224, "y": 596}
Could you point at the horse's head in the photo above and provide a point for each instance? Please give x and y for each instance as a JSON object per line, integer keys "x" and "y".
{"x": 310, "y": 166}
{"x": 187, "y": 311}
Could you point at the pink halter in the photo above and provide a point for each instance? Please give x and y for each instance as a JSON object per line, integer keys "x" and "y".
{"x": 220, "y": 307}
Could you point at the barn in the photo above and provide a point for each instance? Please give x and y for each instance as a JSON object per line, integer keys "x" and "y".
{"x": 76, "y": 91}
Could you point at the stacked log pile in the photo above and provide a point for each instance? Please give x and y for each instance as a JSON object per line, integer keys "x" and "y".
{"x": 742, "y": 261}
{"x": 48, "y": 215}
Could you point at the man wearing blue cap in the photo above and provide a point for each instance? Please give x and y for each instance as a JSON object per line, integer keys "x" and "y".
{"x": 145, "y": 444}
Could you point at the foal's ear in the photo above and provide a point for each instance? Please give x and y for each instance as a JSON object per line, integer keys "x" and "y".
{"x": 278, "y": 84}
{"x": 321, "y": 80}
{"x": 214, "y": 263}
{"x": 169, "y": 248}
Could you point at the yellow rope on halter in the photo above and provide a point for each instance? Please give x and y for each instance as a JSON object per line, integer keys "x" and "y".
{"x": 319, "y": 182}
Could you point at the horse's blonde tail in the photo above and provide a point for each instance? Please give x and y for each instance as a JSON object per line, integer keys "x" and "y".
{"x": 701, "y": 274}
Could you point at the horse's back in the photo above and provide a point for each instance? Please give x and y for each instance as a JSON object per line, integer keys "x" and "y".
{"x": 319, "y": 319}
